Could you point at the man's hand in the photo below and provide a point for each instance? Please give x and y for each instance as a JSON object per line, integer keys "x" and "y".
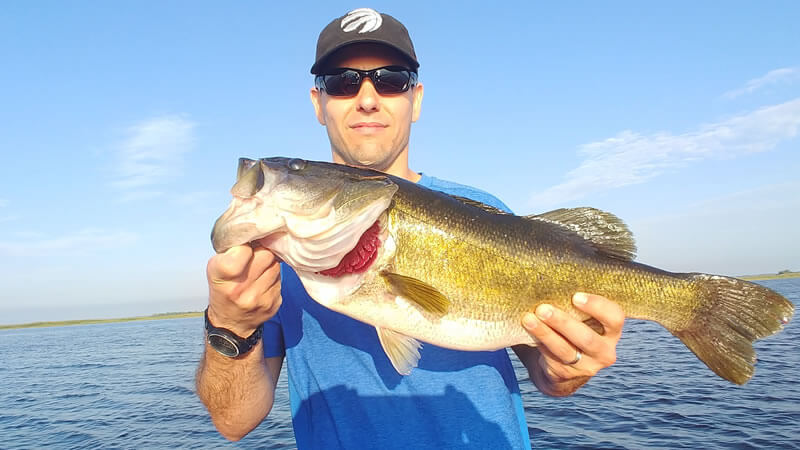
{"x": 552, "y": 364}
{"x": 244, "y": 287}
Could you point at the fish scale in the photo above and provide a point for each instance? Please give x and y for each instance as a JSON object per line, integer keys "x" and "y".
{"x": 505, "y": 261}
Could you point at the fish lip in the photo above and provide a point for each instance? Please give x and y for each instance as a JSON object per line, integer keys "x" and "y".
{"x": 226, "y": 228}
{"x": 221, "y": 245}
{"x": 253, "y": 242}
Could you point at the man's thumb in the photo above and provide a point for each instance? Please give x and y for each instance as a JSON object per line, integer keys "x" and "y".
{"x": 233, "y": 261}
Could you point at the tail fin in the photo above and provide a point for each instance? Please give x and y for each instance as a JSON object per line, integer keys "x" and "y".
{"x": 733, "y": 314}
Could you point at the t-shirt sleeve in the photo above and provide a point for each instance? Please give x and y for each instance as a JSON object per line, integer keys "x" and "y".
{"x": 274, "y": 344}
{"x": 462, "y": 190}
{"x": 489, "y": 199}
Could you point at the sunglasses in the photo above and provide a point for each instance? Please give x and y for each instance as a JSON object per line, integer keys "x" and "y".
{"x": 346, "y": 82}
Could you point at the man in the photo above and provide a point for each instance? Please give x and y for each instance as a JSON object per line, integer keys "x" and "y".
{"x": 344, "y": 391}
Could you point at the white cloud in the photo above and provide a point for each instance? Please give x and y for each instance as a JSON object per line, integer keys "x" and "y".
{"x": 632, "y": 158}
{"x": 140, "y": 195}
{"x": 772, "y": 77}
{"x": 153, "y": 152}
{"x": 197, "y": 198}
{"x": 33, "y": 244}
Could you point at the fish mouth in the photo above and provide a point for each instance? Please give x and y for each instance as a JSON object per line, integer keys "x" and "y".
{"x": 319, "y": 218}
{"x": 229, "y": 232}
{"x": 345, "y": 248}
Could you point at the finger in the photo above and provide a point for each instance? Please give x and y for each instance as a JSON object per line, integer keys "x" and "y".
{"x": 574, "y": 332}
{"x": 608, "y": 313}
{"x": 260, "y": 291}
{"x": 262, "y": 259}
{"x": 542, "y": 327}
{"x": 553, "y": 358}
{"x": 229, "y": 265}
{"x": 577, "y": 334}
{"x": 242, "y": 306}
{"x": 554, "y": 367}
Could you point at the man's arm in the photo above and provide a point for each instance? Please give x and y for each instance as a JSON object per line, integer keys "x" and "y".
{"x": 244, "y": 292}
{"x": 238, "y": 392}
{"x": 561, "y": 337}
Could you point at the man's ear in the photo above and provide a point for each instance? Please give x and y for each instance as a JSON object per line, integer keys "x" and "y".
{"x": 316, "y": 100}
{"x": 417, "y": 99}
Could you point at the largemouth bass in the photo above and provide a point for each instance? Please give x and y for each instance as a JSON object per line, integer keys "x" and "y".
{"x": 420, "y": 265}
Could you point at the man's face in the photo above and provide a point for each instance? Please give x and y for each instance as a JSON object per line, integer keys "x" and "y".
{"x": 368, "y": 129}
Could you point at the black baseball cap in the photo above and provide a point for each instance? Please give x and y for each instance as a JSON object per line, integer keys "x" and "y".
{"x": 364, "y": 25}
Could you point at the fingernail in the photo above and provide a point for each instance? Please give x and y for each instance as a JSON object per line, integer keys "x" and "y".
{"x": 544, "y": 311}
{"x": 530, "y": 321}
{"x": 580, "y": 298}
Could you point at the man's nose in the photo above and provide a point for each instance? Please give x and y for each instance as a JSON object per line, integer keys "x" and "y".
{"x": 367, "y": 99}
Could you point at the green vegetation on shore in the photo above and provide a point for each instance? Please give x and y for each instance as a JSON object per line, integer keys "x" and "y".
{"x": 63, "y": 323}
{"x": 771, "y": 276}
{"x": 181, "y": 315}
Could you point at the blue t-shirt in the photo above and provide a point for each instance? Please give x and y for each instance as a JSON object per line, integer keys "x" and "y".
{"x": 344, "y": 392}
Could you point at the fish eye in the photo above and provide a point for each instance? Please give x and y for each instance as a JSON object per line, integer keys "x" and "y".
{"x": 296, "y": 164}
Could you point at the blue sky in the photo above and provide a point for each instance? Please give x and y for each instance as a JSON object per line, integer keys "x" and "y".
{"x": 121, "y": 124}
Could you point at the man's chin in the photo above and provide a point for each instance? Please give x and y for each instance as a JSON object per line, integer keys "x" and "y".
{"x": 374, "y": 159}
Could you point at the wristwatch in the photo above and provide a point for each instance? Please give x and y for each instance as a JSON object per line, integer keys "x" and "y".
{"x": 228, "y": 343}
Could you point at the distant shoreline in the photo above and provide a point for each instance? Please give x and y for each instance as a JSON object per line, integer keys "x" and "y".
{"x": 65, "y": 323}
{"x": 181, "y": 315}
{"x": 770, "y": 276}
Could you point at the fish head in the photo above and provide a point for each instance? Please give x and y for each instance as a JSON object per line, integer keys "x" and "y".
{"x": 308, "y": 213}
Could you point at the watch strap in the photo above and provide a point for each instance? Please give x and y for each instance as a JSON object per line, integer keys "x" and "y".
{"x": 243, "y": 345}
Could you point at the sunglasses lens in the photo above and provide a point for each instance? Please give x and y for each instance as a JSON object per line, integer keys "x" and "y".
{"x": 391, "y": 80}
{"x": 344, "y": 83}
{"x": 387, "y": 80}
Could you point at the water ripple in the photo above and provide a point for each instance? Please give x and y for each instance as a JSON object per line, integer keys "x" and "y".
{"x": 657, "y": 396}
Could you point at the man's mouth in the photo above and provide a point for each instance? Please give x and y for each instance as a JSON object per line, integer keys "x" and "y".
{"x": 367, "y": 125}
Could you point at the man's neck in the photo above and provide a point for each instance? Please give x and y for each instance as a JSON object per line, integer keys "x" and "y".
{"x": 408, "y": 174}
{"x": 399, "y": 168}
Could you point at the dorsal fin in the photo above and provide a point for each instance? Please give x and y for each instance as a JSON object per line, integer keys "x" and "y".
{"x": 605, "y": 231}
{"x": 481, "y": 205}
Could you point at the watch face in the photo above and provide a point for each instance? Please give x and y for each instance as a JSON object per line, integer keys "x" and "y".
{"x": 223, "y": 345}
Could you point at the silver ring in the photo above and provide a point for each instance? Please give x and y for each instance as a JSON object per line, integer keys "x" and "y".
{"x": 576, "y": 360}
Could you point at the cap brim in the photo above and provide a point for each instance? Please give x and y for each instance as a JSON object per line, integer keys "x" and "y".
{"x": 414, "y": 65}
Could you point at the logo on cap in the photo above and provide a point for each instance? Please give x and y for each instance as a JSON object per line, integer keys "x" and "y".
{"x": 366, "y": 18}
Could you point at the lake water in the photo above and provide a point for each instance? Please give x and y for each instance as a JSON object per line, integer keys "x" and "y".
{"x": 130, "y": 385}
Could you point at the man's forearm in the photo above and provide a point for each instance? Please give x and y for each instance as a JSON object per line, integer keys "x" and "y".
{"x": 238, "y": 392}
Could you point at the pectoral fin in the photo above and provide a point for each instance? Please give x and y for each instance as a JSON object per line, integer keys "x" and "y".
{"x": 419, "y": 292}
{"x": 402, "y": 350}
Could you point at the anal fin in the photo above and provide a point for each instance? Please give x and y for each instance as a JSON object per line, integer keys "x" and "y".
{"x": 402, "y": 350}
